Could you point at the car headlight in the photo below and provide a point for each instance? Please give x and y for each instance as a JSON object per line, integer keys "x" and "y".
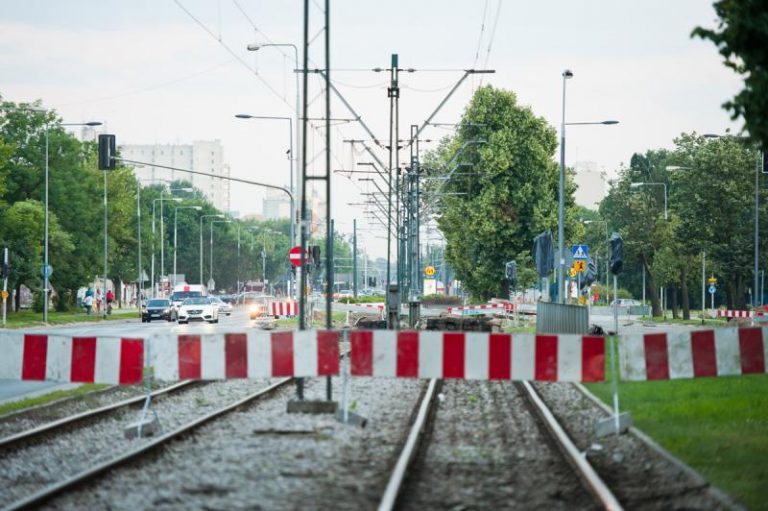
{"x": 166, "y": 311}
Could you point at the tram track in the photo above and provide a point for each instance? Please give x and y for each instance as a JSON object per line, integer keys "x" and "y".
{"x": 418, "y": 470}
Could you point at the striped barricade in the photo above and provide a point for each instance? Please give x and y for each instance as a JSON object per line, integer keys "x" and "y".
{"x": 738, "y": 314}
{"x": 310, "y": 353}
{"x": 693, "y": 354}
{"x": 482, "y": 356}
{"x": 254, "y": 354}
{"x": 71, "y": 359}
{"x": 285, "y": 309}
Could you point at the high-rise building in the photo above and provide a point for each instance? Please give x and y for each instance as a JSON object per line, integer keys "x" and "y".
{"x": 276, "y": 205}
{"x": 590, "y": 184}
{"x": 200, "y": 156}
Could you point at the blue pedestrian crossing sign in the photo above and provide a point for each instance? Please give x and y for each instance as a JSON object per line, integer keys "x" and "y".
{"x": 580, "y": 252}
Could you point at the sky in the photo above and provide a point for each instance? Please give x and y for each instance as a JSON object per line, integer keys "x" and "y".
{"x": 174, "y": 71}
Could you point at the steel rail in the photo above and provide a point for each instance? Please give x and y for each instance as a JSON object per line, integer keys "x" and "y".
{"x": 46, "y": 494}
{"x": 579, "y": 463}
{"x": 397, "y": 477}
{"x": 14, "y": 440}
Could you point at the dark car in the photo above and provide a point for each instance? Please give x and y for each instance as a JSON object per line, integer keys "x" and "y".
{"x": 157, "y": 309}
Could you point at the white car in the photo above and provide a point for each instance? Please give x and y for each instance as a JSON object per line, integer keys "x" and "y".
{"x": 224, "y": 307}
{"x": 199, "y": 308}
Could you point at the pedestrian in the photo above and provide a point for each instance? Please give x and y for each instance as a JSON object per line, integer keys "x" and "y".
{"x": 110, "y": 298}
{"x": 88, "y": 303}
{"x": 98, "y": 301}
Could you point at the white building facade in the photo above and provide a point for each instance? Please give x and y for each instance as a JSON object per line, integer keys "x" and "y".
{"x": 200, "y": 156}
{"x": 591, "y": 184}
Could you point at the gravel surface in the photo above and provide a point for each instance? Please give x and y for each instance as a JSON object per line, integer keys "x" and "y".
{"x": 34, "y": 466}
{"x": 485, "y": 450}
{"x": 263, "y": 458}
{"x": 23, "y": 420}
{"x": 639, "y": 477}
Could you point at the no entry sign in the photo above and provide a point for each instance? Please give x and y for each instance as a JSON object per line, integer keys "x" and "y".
{"x": 294, "y": 256}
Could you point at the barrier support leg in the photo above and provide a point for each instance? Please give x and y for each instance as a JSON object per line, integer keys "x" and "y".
{"x": 145, "y": 426}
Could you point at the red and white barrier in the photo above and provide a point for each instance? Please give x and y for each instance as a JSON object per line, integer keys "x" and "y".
{"x": 286, "y": 309}
{"x": 482, "y": 356}
{"x": 477, "y": 309}
{"x": 71, "y": 359}
{"x": 254, "y": 354}
{"x": 739, "y": 314}
{"x": 693, "y": 354}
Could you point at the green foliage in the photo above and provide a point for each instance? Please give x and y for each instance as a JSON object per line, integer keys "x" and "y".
{"x": 741, "y": 38}
{"x": 499, "y": 194}
{"x": 440, "y": 300}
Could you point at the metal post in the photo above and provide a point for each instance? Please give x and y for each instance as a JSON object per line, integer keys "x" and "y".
{"x": 175, "y": 241}
{"x": 210, "y": 259}
{"x": 712, "y": 300}
{"x": 201, "y": 249}
{"x": 757, "y": 234}
{"x": 45, "y": 258}
{"x": 703, "y": 284}
{"x": 162, "y": 241}
{"x": 5, "y": 284}
{"x": 354, "y": 257}
{"x": 104, "y": 291}
{"x": 616, "y": 304}
{"x": 643, "y": 265}
{"x": 152, "y": 266}
{"x": 138, "y": 229}
{"x": 561, "y": 207}
{"x": 329, "y": 221}
{"x": 303, "y": 187}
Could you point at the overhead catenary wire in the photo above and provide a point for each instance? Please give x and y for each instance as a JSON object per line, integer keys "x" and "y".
{"x": 235, "y": 55}
{"x": 490, "y": 41}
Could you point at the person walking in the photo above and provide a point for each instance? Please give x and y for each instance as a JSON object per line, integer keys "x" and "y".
{"x": 98, "y": 301}
{"x": 110, "y": 298}
{"x": 88, "y": 303}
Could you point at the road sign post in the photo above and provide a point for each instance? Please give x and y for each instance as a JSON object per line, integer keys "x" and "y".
{"x": 6, "y": 269}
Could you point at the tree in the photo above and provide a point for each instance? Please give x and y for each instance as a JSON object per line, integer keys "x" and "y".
{"x": 498, "y": 194}
{"x": 742, "y": 38}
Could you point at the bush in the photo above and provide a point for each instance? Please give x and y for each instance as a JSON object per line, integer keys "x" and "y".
{"x": 63, "y": 301}
{"x": 363, "y": 299}
{"x": 440, "y": 300}
{"x": 37, "y": 302}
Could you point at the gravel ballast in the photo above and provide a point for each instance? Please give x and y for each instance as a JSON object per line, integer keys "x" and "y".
{"x": 639, "y": 477}
{"x": 264, "y": 458}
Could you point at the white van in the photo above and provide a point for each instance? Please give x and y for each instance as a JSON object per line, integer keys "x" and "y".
{"x": 183, "y": 291}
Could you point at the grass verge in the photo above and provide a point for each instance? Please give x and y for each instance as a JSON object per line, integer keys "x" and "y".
{"x": 22, "y": 404}
{"x": 25, "y": 319}
{"x": 719, "y": 426}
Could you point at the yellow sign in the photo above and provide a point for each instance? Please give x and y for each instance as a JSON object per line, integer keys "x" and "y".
{"x": 712, "y": 280}
{"x": 573, "y": 272}
{"x": 579, "y": 265}
{"x": 429, "y": 271}
{"x": 4, "y": 295}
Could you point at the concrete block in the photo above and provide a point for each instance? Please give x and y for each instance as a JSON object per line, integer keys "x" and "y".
{"x": 149, "y": 426}
{"x": 607, "y": 426}
{"x": 353, "y": 419}
{"x": 306, "y": 406}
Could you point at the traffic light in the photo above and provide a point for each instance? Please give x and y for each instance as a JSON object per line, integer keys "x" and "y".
{"x": 617, "y": 253}
{"x": 543, "y": 254}
{"x": 107, "y": 152}
{"x": 511, "y": 273}
{"x": 589, "y": 275}
{"x": 316, "y": 254}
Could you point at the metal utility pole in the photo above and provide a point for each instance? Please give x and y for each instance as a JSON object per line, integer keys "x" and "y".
{"x": 412, "y": 222}
{"x": 393, "y": 92}
{"x": 138, "y": 230}
{"x": 354, "y": 257}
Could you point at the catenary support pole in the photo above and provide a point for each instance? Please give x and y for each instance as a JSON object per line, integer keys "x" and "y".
{"x": 354, "y": 257}
{"x": 104, "y": 291}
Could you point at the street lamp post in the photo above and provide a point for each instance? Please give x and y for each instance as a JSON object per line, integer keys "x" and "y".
{"x": 211, "y": 255}
{"x": 637, "y": 185}
{"x": 175, "y": 235}
{"x": 567, "y": 75}
{"x": 290, "y": 163}
{"x": 46, "y": 273}
{"x": 162, "y": 236}
{"x": 201, "y": 241}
